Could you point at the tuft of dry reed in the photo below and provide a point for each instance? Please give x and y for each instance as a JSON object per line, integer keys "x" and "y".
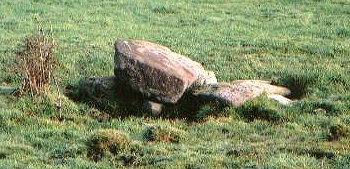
{"x": 37, "y": 62}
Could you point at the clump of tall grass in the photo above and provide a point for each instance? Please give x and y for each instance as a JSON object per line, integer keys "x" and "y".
{"x": 36, "y": 62}
{"x": 337, "y": 131}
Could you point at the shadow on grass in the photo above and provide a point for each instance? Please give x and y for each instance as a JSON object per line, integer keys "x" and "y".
{"x": 320, "y": 106}
{"x": 109, "y": 95}
{"x": 262, "y": 109}
{"x": 314, "y": 152}
{"x": 106, "y": 95}
{"x": 299, "y": 84}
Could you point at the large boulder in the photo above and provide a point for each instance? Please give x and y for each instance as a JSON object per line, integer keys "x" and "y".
{"x": 240, "y": 91}
{"x": 157, "y": 72}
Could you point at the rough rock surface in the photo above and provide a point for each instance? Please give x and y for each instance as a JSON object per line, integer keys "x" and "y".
{"x": 240, "y": 91}
{"x": 152, "y": 107}
{"x": 157, "y": 72}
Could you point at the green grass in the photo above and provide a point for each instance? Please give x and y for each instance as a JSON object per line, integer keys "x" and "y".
{"x": 302, "y": 44}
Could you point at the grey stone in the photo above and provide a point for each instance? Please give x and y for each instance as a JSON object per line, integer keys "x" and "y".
{"x": 7, "y": 89}
{"x": 280, "y": 99}
{"x": 157, "y": 72}
{"x": 153, "y": 107}
{"x": 240, "y": 91}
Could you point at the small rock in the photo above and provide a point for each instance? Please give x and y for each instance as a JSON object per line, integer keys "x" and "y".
{"x": 319, "y": 110}
{"x": 5, "y": 90}
{"x": 157, "y": 72}
{"x": 153, "y": 107}
{"x": 280, "y": 99}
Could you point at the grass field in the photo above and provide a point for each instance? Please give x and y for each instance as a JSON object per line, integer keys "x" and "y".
{"x": 303, "y": 44}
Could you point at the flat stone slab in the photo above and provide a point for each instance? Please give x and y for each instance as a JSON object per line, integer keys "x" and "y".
{"x": 157, "y": 72}
{"x": 240, "y": 91}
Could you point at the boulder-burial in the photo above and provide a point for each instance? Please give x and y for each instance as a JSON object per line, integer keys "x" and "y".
{"x": 150, "y": 77}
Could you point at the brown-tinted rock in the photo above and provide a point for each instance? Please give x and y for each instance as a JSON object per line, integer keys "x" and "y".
{"x": 156, "y": 71}
{"x": 152, "y": 107}
{"x": 240, "y": 91}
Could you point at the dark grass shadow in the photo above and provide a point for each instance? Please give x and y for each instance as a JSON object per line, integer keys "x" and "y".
{"x": 329, "y": 108}
{"x": 262, "y": 109}
{"x": 316, "y": 152}
{"x": 107, "y": 94}
{"x": 299, "y": 84}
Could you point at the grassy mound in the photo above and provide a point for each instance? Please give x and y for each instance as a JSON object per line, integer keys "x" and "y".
{"x": 107, "y": 141}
